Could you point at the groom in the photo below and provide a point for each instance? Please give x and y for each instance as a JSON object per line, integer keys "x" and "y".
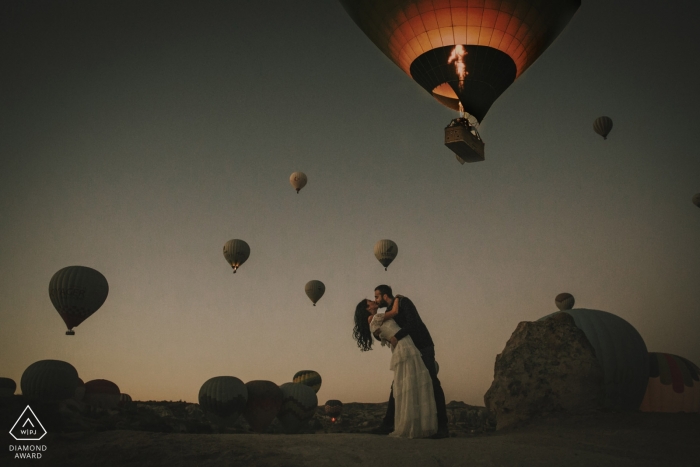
{"x": 411, "y": 325}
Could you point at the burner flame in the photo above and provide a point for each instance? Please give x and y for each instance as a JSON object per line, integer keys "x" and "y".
{"x": 457, "y": 56}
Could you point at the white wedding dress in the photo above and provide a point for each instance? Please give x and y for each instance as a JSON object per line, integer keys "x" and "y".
{"x": 416, "y": 415}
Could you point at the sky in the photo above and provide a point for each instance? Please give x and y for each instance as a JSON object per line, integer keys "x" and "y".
{"x": 136, "y": 138}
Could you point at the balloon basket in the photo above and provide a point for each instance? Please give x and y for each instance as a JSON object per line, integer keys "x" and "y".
{"x": 467, "y": 146}
{"x": 70, "y": 333}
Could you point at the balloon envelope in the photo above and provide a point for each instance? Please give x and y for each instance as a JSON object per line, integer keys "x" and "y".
{"x": 224, "y": 396}
{"x": 299, "y": 403}
{"x": 7, "y": 387}
{"x": 264, "y": 403}
{"x": 314, "y": 290}
{"x": 77, "y": 292}
{"x": 674, "y": 385}
{"x": 236, "y": 253}
{"x": 309, "y": 378}
{"x": 50, "y": 380}
{"x": 385, "y": 251}
{"x": 564, "y": 301}
{"x": 602, "y": 126}
{"x": 333, "y": 408}
{"x": 102, "y": 393}
{"x": 298, "y": 180}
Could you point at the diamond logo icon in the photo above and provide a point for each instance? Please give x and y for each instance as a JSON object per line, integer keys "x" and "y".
{"x": 28, "y": 427}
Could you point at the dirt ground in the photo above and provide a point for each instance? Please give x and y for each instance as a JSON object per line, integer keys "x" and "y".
{"x": 597, "y": 439}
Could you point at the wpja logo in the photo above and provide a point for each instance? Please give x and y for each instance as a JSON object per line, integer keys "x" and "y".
{"x": 28, "y": 428}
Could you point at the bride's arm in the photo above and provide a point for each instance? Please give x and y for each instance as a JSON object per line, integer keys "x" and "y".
{"x": 394, "y": 309}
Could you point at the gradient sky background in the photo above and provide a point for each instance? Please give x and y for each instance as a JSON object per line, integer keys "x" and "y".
{"x": 137, "y": 137}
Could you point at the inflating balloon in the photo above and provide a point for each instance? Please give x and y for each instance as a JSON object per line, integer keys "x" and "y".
{"x": 224, "y": 396}
{"x": 236, "y": 253}
{"x": 49, "y": 380}
{"x": 385, "y": 251}
{"x": 314, "y": 290}
{"x": 602, "y": 126}
{"x": 125, "y": 400}
{"x": 333, "y": 408}
{"x": 298, "y": 180}
{"x": 264, "y": 403}
{"x": 564, "y": 301}
{"x": 102, "y": 393}
{"x": 674, "y": 385}
{"x": 77, "y": 292}
{"x": 79, "y": 391}
{"x": 309, "y": 378}
{"x": 299, "y": 403}
{"x": 7, "y": 387}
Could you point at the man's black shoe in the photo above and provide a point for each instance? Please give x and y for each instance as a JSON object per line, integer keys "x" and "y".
{"x": 441, "y": 433}
{"x": 382, "y": 430}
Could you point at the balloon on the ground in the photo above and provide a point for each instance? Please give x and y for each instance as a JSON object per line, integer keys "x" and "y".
{"x": 385, "y": 251}
{"x": 299, "y": 403}
{"x": 77, "y": 292}
{"x": 333, "y": 408}
{"x": 49, "y": 380}
{"x": 622, "y": 355}
{"x": 298, "y": 180}
{"x": 79, "y": 393}
{"x": 236, "y": 253}
{"x": 309, "y": 378}
{"x": 7, "y": 387}
{"x": 314, "y": 290}
{"x": 564, "y": 301}
{"x": 124, "y": 399}
{"x": 102, "y": 393}
{"x": 224, "y": 396}
{"x": 696, "y": 199}
{"x": 264, "y": 403}
{"x": 602, "y": 126}
{"x": 674, "y": 385}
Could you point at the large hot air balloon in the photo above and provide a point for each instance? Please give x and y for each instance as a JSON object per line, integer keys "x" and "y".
{"x": 264, "y": 403}
{"x": 674, "y": 385}
{"x": 102, "y": 393}
{"x": 464, "y": 53}
{"x": 315, "y": 290}
{"x": 299, "y": 403}
{"x": 298, "y": 180}
{"x": 385, "y": 251}
{"x": 49, "y": 380}
{"x": 696, "y": 199}
{"x": 602, "y": 126}
{"x": 236, "y": 253}
{"x": 79, "y": 390}
{"x": 564, "y": 301}
{"x": 224, "y": 396}
{"x": 77, "y": 292}
{"x": 309, "y": 378}
{"x": 622, "y": 355}
{"x": 7, "y": 387}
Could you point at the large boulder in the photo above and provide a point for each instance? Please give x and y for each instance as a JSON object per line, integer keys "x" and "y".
{"x": 547, "y": 366}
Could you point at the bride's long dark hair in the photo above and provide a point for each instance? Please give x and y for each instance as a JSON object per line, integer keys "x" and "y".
{"x": 361, "y": 332}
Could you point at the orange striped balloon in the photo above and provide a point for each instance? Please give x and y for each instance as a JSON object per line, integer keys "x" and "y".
{"x": 674, "y": 384}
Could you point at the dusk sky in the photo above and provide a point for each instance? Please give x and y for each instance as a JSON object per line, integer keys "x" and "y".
{"x": 137, "y": 137}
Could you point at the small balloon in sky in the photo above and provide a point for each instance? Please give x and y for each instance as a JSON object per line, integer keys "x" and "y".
{"x": 77, "y": 292}
{"x": 236, "y": 253}
{"x": 564, "y": 301}
{"x": 602, "y": 126}
{"x": 315, "y": 290}
{"x": 298, "y": 180}
{"x": 696, "y": 199}
{"x": 385, "y": 251}
{"x": 309, "y": 378}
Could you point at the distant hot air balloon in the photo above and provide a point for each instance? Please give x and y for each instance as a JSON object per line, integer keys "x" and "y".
{"x": 7, "y": 387}
{"x": 264, "y": 403}
{"x": 385, "y": 251}
{"x": 236, "y": 253}
{"x": 49, "y": 380}
{"x": 333, "y": 409}
{"x": 77, "y": 292}
{"x": 696, "y": 199}
{"x": 564, "y": 301}
{"x": 102, "y": 393}
{"x": 79, "y": 391}
{"x": 602, "y": 126}
{"x": 622, "y": 355}
{"x": 299, "y": 403}
{"x": 125, "y": 400}
{"x": 298, "y": 180}
{"x": 465, "y": 54}
{"x": 674, "y": 385}
{"x": 309, "y": 378}
{"x": 224, "y": 396}
{"x": 315, "y": 290}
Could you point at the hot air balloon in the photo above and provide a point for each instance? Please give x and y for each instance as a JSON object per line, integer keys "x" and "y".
{"x": 309, "y": 378}
{"x": 236, "y": 253}
{"x": 79, "y": 391}
{"x": 7, "y": 387}
{"x": 298, "y": 180}
{"x": 125, "y": 400}
{"x": 102, "y": 393}
{"x": 77, "y": 292}
{"x": 299, "y": 403}
{"x": 333, "y": 409}
{"x": 465, "y": 54}
{"x": 674, "y": 385}
{"x": 49, "y": 380}
{"x": 602, "y": 126}
{"x": 564, "y": 301}
{"x": 315, "y": 290}
{"x": 264, "y": 403}
{"x": 385, "y": 251}
{"x": 622, "y": 355}
{"x": 696, "y": 199}
{"x": 224, "y": 396}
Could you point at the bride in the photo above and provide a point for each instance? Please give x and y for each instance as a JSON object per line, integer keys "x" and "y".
{"x": 416, "y": 415}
